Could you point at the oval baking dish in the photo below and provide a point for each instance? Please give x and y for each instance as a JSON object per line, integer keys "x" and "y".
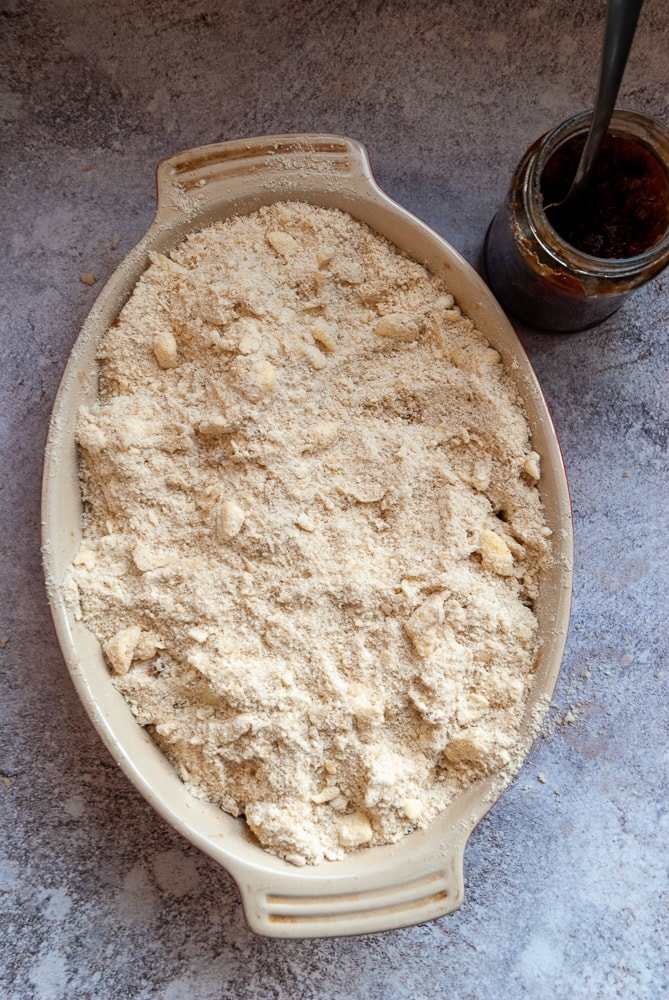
{"x": 378, "y": 888}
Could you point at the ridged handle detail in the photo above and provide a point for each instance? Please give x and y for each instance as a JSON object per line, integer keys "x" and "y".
{"x": 224, "y": 169}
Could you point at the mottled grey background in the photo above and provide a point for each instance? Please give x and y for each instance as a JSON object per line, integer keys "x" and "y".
{"x": 566, "y": 877}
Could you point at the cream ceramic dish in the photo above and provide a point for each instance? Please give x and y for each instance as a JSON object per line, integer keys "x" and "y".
{"x": 379, "y": 888}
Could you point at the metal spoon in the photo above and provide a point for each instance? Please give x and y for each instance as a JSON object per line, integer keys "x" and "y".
{"x": 621, "y": 21}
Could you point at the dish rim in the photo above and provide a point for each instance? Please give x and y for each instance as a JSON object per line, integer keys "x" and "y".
{"x": 378, "y": 888}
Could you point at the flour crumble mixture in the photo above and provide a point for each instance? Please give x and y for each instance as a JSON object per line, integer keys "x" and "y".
{"x": 312, "y": 531}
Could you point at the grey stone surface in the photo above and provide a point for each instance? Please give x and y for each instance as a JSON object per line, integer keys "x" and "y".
{"x": 566, "y": 877}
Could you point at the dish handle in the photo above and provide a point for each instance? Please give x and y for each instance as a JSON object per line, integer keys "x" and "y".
{"x": 404, "y": 895}
{"x": 264, "y": 167}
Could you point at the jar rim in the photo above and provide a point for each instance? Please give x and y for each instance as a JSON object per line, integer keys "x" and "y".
{"x": 632, "y": 124}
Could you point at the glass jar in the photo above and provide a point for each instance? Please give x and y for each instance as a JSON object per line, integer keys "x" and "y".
{"x": 543, "y": 280}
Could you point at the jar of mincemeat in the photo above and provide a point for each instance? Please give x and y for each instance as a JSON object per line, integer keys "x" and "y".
{"x": 569, "y": 267}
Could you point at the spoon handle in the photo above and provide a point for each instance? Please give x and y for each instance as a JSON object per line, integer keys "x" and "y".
{"x": 621, "y": 21}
